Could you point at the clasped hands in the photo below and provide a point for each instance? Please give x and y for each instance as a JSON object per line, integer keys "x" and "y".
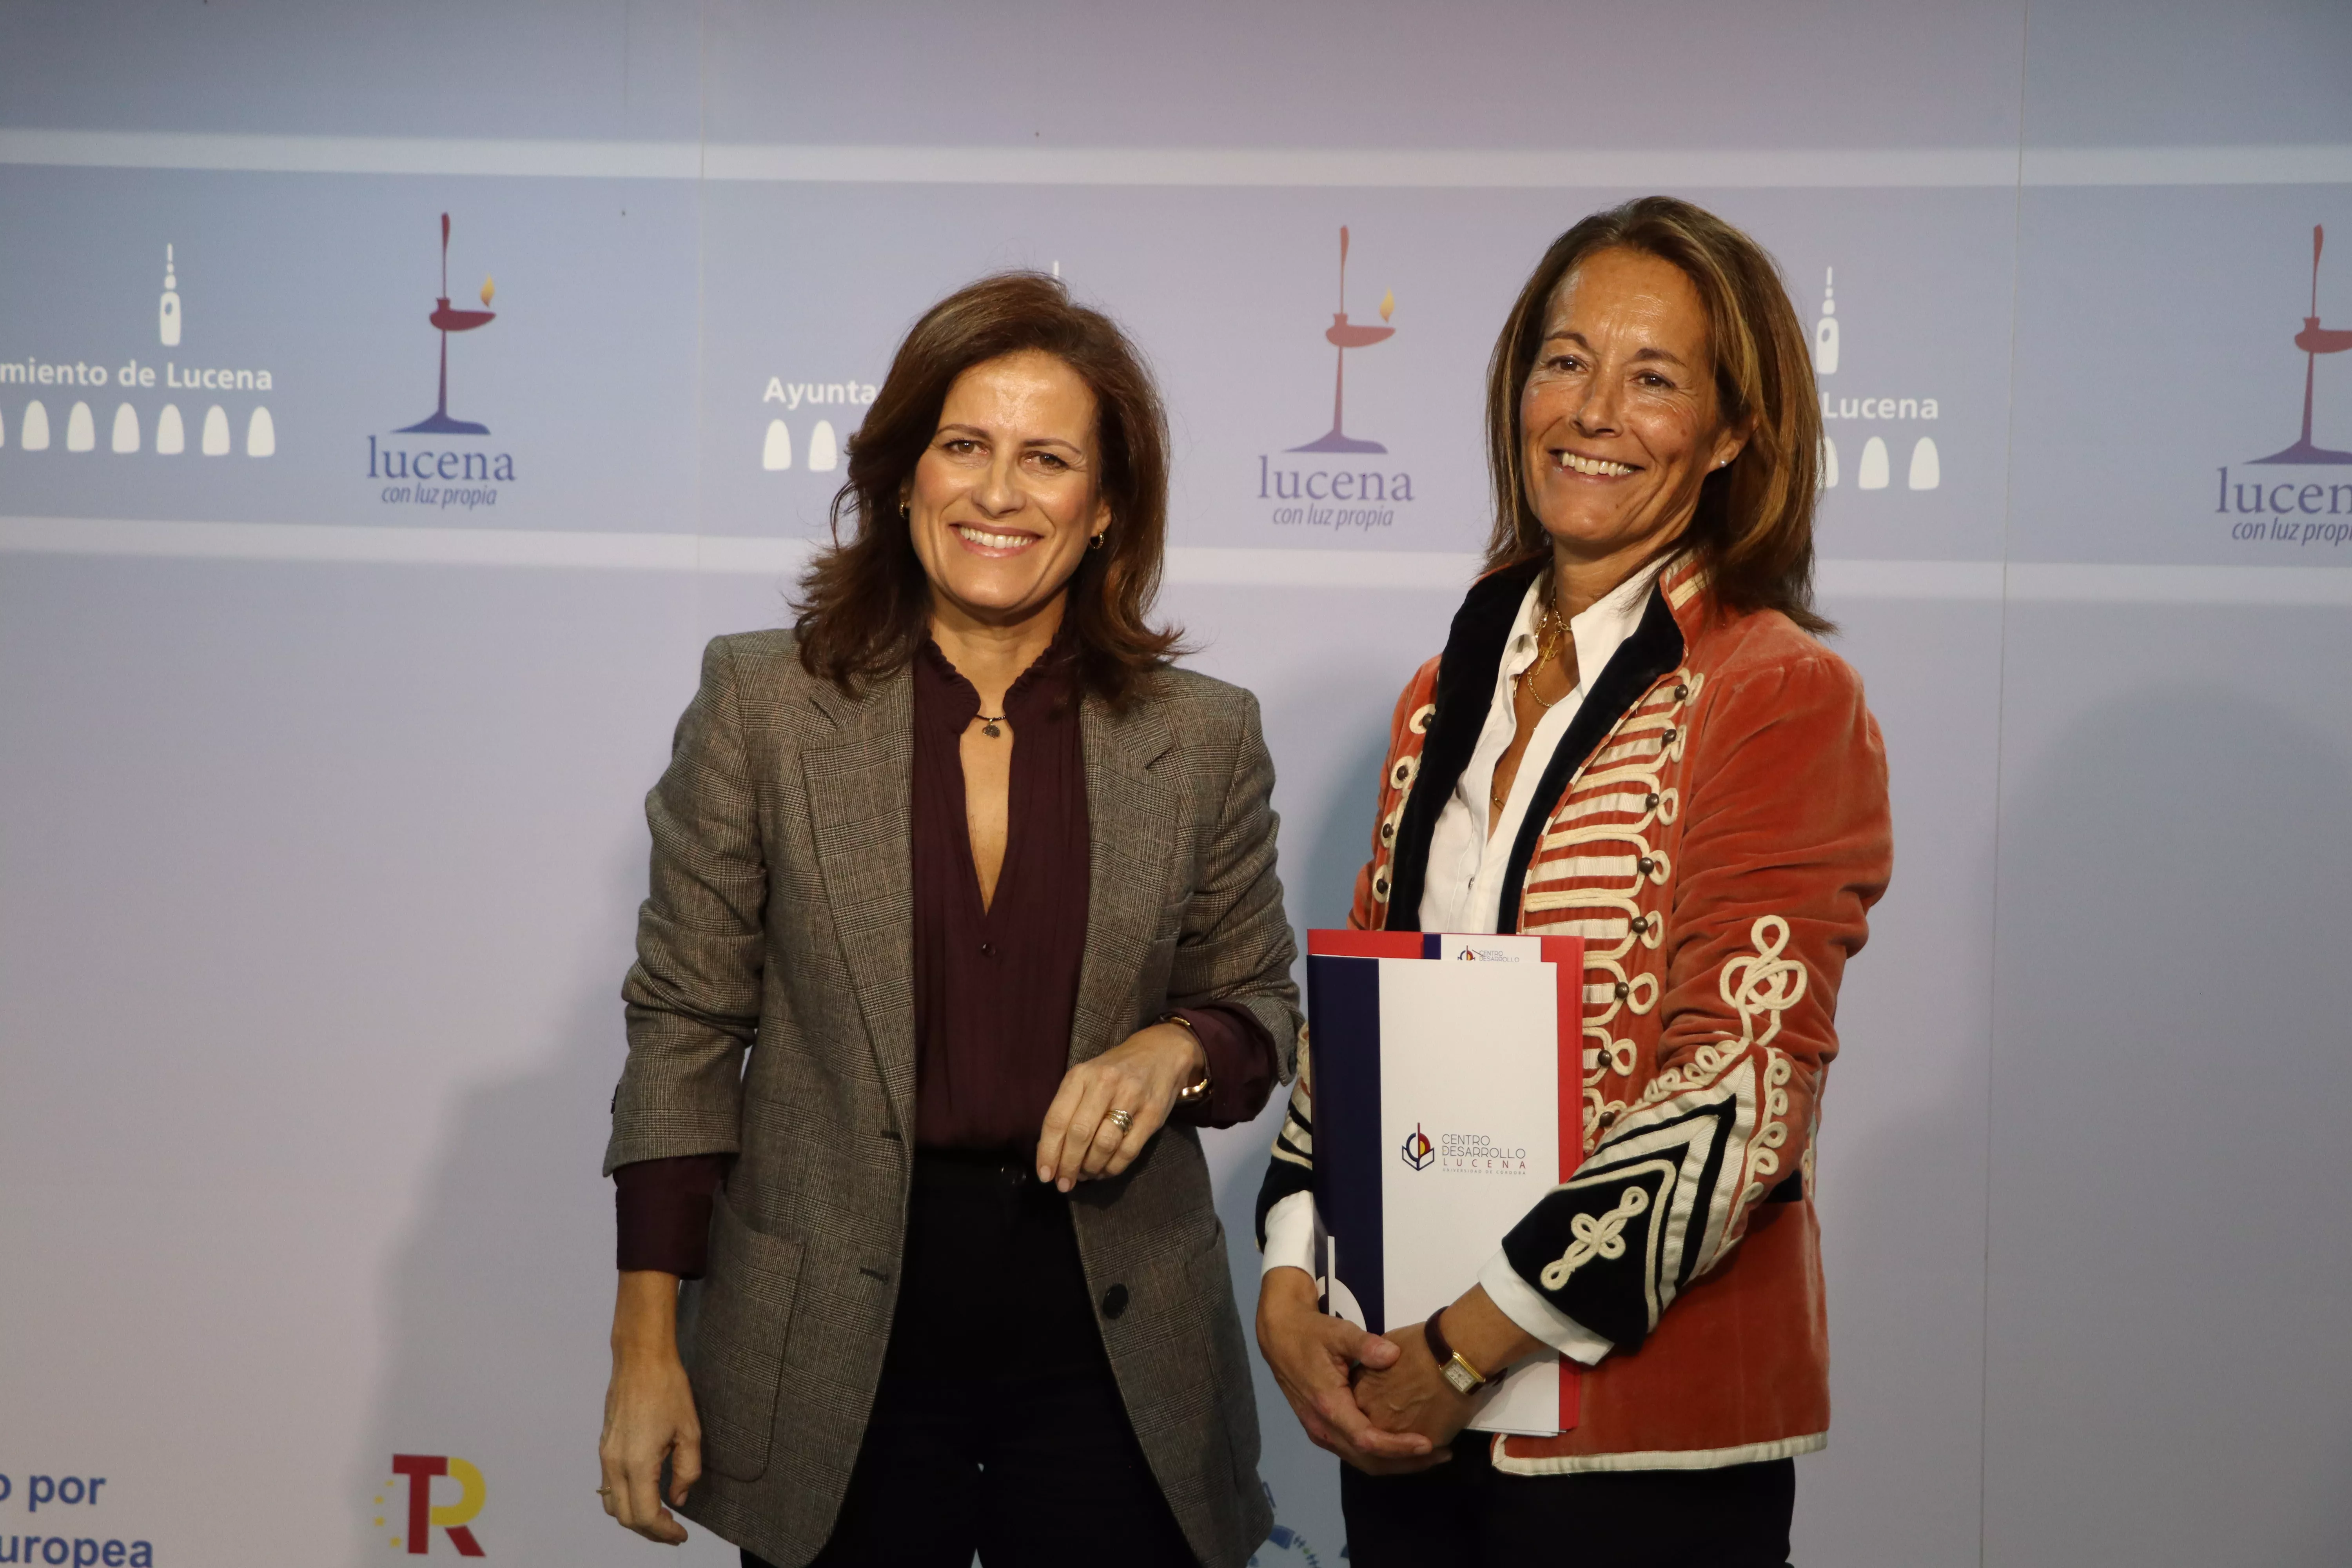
{"x": 1377, "y": 1401}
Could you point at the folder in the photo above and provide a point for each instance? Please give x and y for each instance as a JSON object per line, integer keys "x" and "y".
{"x": 1448, "y": 1100}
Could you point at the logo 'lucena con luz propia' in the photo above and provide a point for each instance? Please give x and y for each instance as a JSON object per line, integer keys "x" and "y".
{"x": 2265, "y": 498}
{"x": 459, "y": 475}
{"x": 1360, "y": 495}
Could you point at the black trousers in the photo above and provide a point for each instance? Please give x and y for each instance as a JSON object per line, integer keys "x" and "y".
{"x": 997, "y": 1427}
{"x": 1467, "y": 1514}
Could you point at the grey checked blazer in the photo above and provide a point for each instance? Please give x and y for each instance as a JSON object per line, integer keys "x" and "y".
{"x": 781, "y": 921}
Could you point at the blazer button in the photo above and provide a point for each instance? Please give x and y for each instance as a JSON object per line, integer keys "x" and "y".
{"x": 1114, "y": 1302}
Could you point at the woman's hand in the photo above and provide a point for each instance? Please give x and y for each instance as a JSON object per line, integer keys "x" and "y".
{"x": 1140, "y": 1076}
{"x": 1409, "y": 1394}
{"x": 1313, "y": 1355}
{"x": 648, "y": 1411}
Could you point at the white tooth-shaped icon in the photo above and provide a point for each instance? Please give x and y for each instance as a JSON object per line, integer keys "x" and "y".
{"x": 1829, "y": 464}
{"x": 776, "y": 451}
{"x": 824, "y": 452}
{"x": 260, "y": 435}
{"x": 81, "y": 430}
{"x": 1926, "y": 469}
{"x": 215, "y": 431}
{"x": 171, "y": 439}
{"x": 126, "y": 428}
{"x": 37, "y": 426}
{"x": 1873, "y": 475}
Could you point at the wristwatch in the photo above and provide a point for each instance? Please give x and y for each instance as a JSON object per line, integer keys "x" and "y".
{"x": 1464, "y": 1379}
{"x": 1197, "y": 1089}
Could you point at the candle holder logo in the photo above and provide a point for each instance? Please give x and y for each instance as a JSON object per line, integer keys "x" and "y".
{"x": 2309, "y": 510}
{"x": 1327, "y": 496}
{"x": 414, "y": 1518}
{"x": 1418, "y": 1151}
{"x": 447, "y": 320}
{"x": 2313, "y": 340}
{"x": 421, "y": 474}
{"x": 1343, "y": 335}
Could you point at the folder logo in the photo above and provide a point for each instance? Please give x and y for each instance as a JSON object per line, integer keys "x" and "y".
{"x": 1418, "y": 1151}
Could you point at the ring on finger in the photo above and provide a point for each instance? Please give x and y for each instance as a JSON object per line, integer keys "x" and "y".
{"x": 1122, "y": 1120}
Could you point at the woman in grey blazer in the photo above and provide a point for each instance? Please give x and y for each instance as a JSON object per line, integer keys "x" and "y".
{"x": 963, "y": 919}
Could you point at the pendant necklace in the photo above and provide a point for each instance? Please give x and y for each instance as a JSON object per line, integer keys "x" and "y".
{"x": 987, "y": 724}
{"x": 1549, "y": 638}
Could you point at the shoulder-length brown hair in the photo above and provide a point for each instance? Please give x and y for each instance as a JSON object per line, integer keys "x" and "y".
{"x": 864, "y": 601}
{"x": 1753, "y": 531}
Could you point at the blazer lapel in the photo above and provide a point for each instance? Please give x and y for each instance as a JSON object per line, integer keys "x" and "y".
{"x": 1131, "y": 807}
{"x": 860, "y": 794}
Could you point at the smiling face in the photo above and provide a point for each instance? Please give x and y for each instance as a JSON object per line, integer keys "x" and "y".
{"x": 1006, "y": 496}
{"x": 1618, "y": 419}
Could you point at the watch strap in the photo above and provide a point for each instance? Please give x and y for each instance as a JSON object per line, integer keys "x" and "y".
{"x": 1451, "y": 1365}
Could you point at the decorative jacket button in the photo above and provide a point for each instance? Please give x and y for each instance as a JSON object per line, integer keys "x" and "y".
{"x": 1646, "y": 865}
{"x": 1651, "y": 800}
{"x": 1670, "y": 734}
{"x": 1640, "y": 923}
{"x": 1623, "y": 991}
{"x": 1114, "y": 1302}
{"x": 1680, "y": 692}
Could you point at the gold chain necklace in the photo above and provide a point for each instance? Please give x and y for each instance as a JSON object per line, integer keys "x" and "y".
{"x": 1549, "y": 636}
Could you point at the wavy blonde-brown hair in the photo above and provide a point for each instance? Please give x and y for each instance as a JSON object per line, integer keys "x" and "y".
{"x": 1753, "y": 531}
{"x": 864, "y": 601}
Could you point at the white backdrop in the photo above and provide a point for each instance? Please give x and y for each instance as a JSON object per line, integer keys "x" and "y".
{"x": 321, "y": 777}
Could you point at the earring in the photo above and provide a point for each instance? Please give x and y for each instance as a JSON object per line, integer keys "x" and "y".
{"x": 1097, "y": 541}
{"x": 906, "y": 512}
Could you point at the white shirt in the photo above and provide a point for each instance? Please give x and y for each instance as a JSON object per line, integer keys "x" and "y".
{"x": 1462, "y": 891}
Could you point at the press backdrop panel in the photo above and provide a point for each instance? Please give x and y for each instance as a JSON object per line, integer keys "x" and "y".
{"x": 320, "y": 830}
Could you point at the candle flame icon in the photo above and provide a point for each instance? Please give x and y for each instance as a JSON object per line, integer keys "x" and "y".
{"x": 489, "y": 287}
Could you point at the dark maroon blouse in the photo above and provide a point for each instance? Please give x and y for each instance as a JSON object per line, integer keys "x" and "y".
{"x": 996, "y": 989}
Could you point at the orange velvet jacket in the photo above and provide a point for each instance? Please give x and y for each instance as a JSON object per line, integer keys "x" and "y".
{"x": 1718, "y": 830}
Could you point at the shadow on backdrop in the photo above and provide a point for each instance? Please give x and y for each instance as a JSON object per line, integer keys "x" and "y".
{"x": 2167, "y": 1381}
{"x": 497, "y": 1307}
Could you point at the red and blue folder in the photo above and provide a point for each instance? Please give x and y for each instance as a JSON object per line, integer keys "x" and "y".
{"x": 1448, "y": 1100}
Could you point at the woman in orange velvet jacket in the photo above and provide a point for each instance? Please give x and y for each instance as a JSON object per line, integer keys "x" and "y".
{"x": 1633, "y": 736}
